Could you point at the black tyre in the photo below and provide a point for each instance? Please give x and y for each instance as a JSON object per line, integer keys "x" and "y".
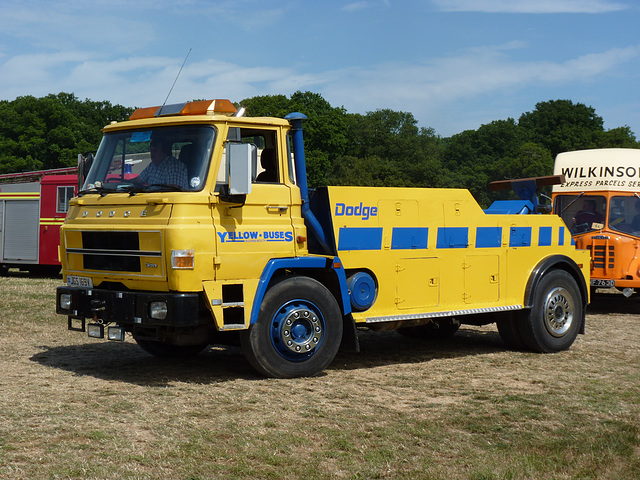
{"x": 167, "y": 350}
{"x": 509, "y": 329}
{"x": 437, "y": 329}
{"x": 298, "y": 332}
{"x": 553, "y": 323}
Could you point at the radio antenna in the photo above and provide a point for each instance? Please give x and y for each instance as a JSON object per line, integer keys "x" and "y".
{"x": 174, "y": 82}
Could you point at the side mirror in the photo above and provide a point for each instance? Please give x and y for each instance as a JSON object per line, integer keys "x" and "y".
{"x": 84, "y": 164}
{"x": 240, "y": 157}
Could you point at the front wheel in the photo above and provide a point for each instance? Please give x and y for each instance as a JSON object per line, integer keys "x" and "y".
{"x": 553, "y": 323}
{"x": 298, "y": 331}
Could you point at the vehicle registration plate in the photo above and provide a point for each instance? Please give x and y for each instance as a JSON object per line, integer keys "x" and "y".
{"x": 75, "y": 281}
{"x": 602, "y": 283}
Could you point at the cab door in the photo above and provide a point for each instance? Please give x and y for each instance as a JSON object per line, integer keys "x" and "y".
{"x": 249, "y": 235}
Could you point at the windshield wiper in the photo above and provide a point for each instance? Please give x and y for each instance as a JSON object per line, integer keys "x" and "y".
{"x": 156, "y": 187}
{"x": 571, "y": 203}
{"x": 130, "y": 188}
{"x": 101, "y": 190}
{"x": 106, "y": 188}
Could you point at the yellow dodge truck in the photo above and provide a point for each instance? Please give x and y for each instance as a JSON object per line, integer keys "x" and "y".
{"x": 194, "y": 226}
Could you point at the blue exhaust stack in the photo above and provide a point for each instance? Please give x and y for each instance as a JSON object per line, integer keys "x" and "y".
{"x": 313, "y": 225}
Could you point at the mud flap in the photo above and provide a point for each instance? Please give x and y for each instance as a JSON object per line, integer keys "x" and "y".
{"x": 350, "y": 342}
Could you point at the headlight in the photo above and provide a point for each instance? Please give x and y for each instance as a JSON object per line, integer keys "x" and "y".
{"x": 115, "y": 334}
{"x": 95, "y": 330}
{"x": 183, "y": 259}
{"x": 65, "y": 301}
{"x": 158, "y": 310}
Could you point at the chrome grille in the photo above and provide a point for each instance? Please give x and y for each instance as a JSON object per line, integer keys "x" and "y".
{"x": 603, "y": 255}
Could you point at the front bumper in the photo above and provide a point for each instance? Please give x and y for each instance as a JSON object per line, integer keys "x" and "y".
{"x": 130, "y": 308}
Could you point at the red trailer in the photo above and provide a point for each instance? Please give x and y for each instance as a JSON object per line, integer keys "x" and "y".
{"x": 33, "y": 206}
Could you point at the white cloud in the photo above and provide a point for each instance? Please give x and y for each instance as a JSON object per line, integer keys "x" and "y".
{"x": 530, "y": 6}
{"x": 365, "y": 5}
{"x": 355, "y": 6}
{"x": 464, "y": 91}
{"x": 73, "y": 24}
{"x": 433, "y": 86}
{"x": 138, "y": 81}
{"x": 480, "y": 72}
{"x": 24, "y": 72}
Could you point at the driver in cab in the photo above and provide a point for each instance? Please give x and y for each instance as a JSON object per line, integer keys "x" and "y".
{"x": 586, "y": 217}
{"x": 164, "y": 169}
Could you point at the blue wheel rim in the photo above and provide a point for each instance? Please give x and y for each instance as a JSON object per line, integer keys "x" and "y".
{"x": 297, "y": 330}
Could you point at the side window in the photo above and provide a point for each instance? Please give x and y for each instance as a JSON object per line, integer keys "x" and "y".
{"x": 223, "y": 178}
{"x": 64, "y": 195}
{"x": 265, "y": 170}
{"x": 292, "y": 165}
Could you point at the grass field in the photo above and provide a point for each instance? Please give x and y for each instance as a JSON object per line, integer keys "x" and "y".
{"x": 467, "y": 408}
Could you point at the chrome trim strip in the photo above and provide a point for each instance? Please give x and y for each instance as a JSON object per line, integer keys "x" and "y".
{"x": 234, "y": 326}
{"x": 450, "y": 313}
{"x": 233, "y": 304}
{"x": 124, "y": 253}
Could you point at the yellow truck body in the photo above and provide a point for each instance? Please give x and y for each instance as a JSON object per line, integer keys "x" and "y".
{"x": 218, "y": 253}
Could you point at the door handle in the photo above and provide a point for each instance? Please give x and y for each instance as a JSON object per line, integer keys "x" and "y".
{"x": 277, "y": 208}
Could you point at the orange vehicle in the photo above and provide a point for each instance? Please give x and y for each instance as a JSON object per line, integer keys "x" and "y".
{"x": 600, "y": 203}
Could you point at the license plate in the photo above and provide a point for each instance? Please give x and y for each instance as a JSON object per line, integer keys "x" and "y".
{"x": 602, "y": 283}
{"x": 75, "y": 281}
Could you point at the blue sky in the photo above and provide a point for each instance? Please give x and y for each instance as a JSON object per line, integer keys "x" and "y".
{"x": 454, "y": 64}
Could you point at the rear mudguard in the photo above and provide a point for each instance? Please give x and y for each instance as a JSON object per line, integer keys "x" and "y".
{"x": 555, "y": 262}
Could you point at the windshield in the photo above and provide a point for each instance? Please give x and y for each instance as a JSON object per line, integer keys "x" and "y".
{"x": 624, "y": 214}
{"x": 169, "y": 158}
{"x": 582, "y": 213}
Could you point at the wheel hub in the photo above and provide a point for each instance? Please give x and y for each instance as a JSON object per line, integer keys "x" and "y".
{"x": 558, "y": 312}
{"x": 301, "y": 330}
{"x": 297, "y": 330}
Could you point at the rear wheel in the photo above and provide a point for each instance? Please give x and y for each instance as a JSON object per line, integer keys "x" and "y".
{"x": 298, "y": 331}
{"x": 553, "y": 323}
{"x": 509, "y": 329}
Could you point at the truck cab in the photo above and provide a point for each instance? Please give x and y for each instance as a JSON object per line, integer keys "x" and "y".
{"x": 600, "y": 203}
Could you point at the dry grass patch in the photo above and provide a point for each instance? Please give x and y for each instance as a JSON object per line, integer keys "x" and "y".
{"x": 467, "y": 408}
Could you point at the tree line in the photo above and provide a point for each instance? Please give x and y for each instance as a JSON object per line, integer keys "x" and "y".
{"x": 379, "y": 148}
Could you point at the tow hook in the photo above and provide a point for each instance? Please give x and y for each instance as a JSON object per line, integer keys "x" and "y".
{"x": 97, "y": 307}
{"x": 96, "y": 328}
